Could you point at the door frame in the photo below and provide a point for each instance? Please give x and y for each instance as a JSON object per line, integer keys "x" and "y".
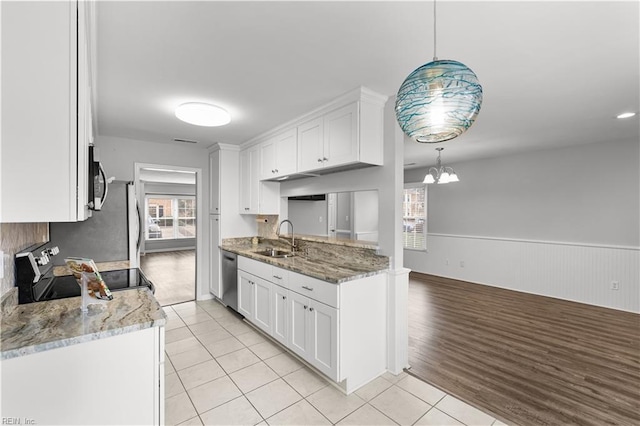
{"x": 137, "y": 167}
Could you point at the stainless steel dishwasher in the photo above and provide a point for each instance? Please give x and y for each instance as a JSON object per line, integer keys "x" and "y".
{"x": 230, "y": 279}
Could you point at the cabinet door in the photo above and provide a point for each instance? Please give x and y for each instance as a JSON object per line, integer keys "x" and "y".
{"x": 245, "y": 182}
{"x": 215, "y": 284}
{"x": 254, "y": 180}
{"x": 262, "y": 304}
{"x": 323, "y": 333}
{"x": 341, "y": 136}
{"x": 214, "y": 182}
{"x": 280, "y": 314}
{"x": 268, "y": 159}
{"x": 310, "y": 142}
{"x": 286, "y": 157}
{"x": 299, "y": 339}
{"x": 39, "y": 112}
{"x": 245, "y": 294}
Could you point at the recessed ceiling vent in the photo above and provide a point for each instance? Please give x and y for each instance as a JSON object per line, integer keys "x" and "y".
{"x": 184, "y": 140}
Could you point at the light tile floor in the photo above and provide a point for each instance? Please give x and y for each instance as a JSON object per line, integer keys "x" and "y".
{"x": 221, "y": 371}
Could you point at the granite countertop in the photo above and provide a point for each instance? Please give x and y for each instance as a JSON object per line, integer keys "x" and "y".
{"x": 40, "y": 326}
{"x": 331, "y": 265}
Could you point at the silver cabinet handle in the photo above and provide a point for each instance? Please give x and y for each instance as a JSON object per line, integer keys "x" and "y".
{"x": 276, "y": 170}
{"x": 325, "y": 159}
{"x": 310, "y": 309}
{"x": 284, "y": 297}
{"x": 246, "y": 208}
{"x": 307, "y": 288}
{"x": 305, "y": 306}
{"x": 319, "y": 160}
{"x": 277, "y": 277}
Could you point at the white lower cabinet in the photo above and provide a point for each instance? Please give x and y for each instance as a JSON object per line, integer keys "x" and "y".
{"x": 245, "y": 294}
{"x": 113, "y": 380}
{"x": 339, "y": 329}
{"x": 280, "y": 312}
{"x": 262, "y": 304}
{"x": 254, "y": 300}
{"x": 215, "y": 283}
{"x": 299, "y": 324}
{"x": 323, "y": 333}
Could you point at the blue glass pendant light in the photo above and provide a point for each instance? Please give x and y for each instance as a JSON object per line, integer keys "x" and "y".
{"x": 438, "y": 101}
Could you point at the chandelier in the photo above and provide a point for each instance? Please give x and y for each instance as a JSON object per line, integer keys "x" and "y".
{"x": 440, "y": 174}
{"x": 439, "y": 100}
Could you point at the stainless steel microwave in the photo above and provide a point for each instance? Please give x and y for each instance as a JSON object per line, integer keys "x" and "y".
{"x": 98, "y": 183}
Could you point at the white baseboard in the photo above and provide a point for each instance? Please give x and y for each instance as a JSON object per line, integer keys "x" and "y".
{"x": 570, "y": 271}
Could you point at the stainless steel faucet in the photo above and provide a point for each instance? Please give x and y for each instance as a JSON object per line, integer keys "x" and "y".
{"x": 293, "y": 241}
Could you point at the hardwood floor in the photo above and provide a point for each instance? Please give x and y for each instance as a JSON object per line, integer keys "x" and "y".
{"x": 173, "y": 273}
{"x": 526, "y": 359}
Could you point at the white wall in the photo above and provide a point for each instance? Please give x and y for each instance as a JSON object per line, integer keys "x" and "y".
{"x": 119, "y": 155}
{"x": 562, "y": 223}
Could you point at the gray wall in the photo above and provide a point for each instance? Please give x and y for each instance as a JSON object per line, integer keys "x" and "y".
{"x": 582, "y": 194}
{"x": 119, "y": 156}
{"x": 343, "y": 211}
{"x": 306, "y": 215}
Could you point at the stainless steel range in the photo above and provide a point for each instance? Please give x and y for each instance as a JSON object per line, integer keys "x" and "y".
{"x": 36, "y": 282}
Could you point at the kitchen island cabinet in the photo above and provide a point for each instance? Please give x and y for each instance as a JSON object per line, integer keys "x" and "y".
{"x": 337, "y": 328}
{"x": 104, "y": 367}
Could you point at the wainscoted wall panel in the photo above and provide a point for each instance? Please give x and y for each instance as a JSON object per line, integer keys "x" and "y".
{"x": 571, "y": 271}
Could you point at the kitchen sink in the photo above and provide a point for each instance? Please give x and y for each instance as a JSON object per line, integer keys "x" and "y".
{"x": 275, "y": 253}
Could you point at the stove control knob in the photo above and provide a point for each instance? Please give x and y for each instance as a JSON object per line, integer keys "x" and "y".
{"x": 41, "y": 261}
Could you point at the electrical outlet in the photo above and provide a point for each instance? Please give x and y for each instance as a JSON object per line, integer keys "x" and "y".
{"x": 615, "y": 285}
{"x": 320, "y": 219}
{"x": 462, "y": 263}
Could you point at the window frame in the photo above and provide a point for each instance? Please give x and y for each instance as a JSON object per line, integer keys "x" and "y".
{"x": 424, "y": 187}
{"x": 175, "y": 217}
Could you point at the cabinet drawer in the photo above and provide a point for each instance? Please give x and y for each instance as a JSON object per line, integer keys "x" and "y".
{"x": 279, "y": 276}
{"x": 313, "y": 288}
{"x": 254, "y": 267}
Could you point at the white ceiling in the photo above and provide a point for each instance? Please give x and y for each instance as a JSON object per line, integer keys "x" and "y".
{"x": 553, "y": 73}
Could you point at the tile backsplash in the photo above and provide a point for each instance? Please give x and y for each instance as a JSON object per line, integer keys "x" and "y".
{"x": 13, "y": 238}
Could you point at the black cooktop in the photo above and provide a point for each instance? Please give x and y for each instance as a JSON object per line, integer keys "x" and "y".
{"x": 122, "y": 279}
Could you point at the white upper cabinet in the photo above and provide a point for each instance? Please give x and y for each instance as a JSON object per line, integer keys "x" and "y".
{"x": 347, "y": 133}
{"x": 335, "y": 139}
{"x": 278, "y": 155}
{"x": 310, "y": 144}
{"x": 214, "y": 182}
{"x": 46, "y": 111}
{"x": 256, "y": 197}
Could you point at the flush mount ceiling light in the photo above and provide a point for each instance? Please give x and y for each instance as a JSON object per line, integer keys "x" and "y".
{"x": 202, "y": 114}
{"x": 440, "y": 174}
{"x": 626, "y": 115}
{"x": 439, "y": 100}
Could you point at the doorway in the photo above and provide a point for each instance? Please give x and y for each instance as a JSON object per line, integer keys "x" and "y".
{"x": 170, "y": 208}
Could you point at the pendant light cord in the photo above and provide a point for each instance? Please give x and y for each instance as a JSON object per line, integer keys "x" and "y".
{"x": 435, "y": 57}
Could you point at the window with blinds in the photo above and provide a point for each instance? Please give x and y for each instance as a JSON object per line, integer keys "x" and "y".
{"x": 414, "y": 217}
